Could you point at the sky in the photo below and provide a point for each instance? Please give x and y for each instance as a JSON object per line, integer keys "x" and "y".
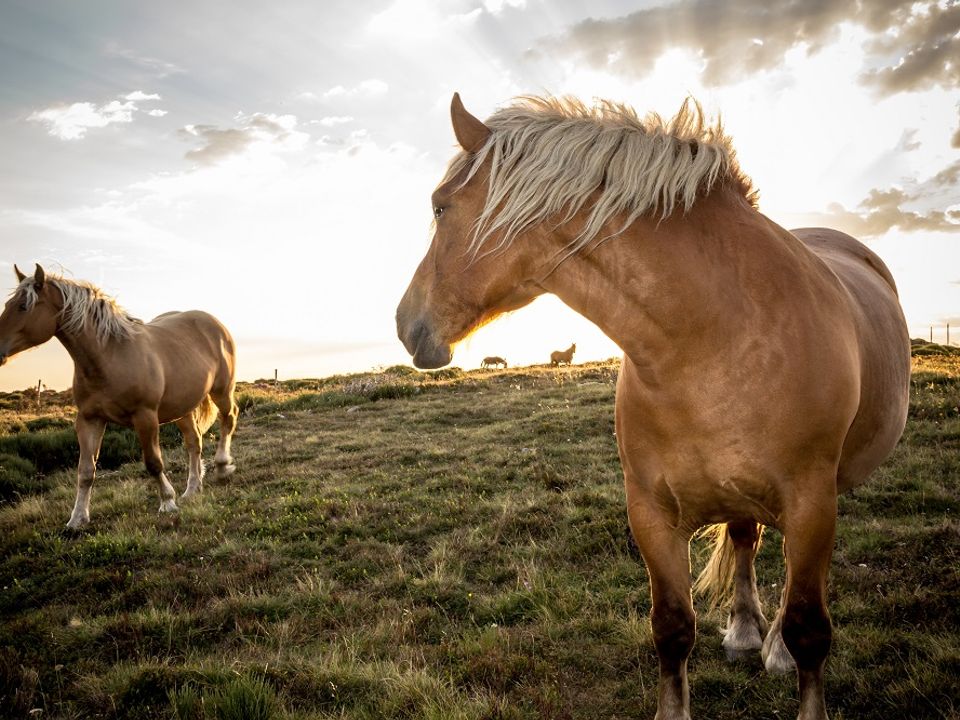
{"x": 272, "y": 163}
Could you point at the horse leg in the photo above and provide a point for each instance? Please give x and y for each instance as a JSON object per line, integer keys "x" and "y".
{"x": 147, "y": 427}
{"x": 193, "y": 442}
{"x": 746, "y": 625}
{"x": 89, "y": 436}
{"x": 223, "y": 460}
{"x": 665, "y": 551}
{"x": 808, "y": 542}
{"x": 776, "y": 658}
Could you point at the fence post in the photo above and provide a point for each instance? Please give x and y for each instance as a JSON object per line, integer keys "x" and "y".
{"x": 948, "y": 333}
{"x": 931, "y": 333}
{"x": 274, "y": 376}
{"x": 39, "y": 385}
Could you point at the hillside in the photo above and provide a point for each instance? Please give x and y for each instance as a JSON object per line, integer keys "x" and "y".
{"x": 436, "y": 545}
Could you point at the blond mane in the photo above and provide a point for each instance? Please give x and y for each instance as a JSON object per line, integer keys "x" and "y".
{"x": 85, "y": 303}
{"x": 552, "y": 157}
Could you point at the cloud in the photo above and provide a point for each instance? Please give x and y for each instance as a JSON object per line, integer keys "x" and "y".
{"x": 138, "y": 95}
{"x": 257, "y": 131}
{"x": 884, "y": 210}
{"x": 332, "y": 120}
{"x": 908, "y": 140}
{"x": 365, "y": 89}
{"x": 955, "y": 140}
{"x": 71, "y": 122}
{"x": 158, "y": 68}
{"x": 734, "y": 40}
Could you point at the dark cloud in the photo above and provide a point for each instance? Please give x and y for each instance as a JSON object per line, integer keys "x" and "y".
{"x": 882, "y": 211}
{"x": 221, "y": 143}
{"x": 925, "y": 48}
{"x": 913, "y": 46}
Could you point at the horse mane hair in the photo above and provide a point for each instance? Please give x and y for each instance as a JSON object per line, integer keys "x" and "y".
{"x": 85, "y": 303}
{"x": 551, "y": 157}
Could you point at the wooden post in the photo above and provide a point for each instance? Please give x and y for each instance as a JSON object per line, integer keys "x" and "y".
{"x": 274, "y": 376}
{"x": 948, "y": 333}
{"x": 931, "y": 333}
{"x": 39, "y": 385}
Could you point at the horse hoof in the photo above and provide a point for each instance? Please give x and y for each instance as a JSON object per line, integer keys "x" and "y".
{"x": 776, "y": 658}
{"x": 75, "y": 526}
{"x": 189, "y": 493}
{"x": 225, "y": 470}
{"x": 168, "y": 506}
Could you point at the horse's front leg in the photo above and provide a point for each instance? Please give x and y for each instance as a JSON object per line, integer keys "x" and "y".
{"x": 89, "y": 437}
{"x": 147, "y": 427}
{"x": 193, "y": 441}
{"x": 665, "y": 551}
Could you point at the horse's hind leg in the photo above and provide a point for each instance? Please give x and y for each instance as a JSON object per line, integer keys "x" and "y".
{"x": 89, "y": 436}
{"x": 746, "y": 625}
{"x": 776, "y": 658}
{"x": 147, "y": 427}
{"x": 223, "y": 460}
{"x": 193, "y": 442}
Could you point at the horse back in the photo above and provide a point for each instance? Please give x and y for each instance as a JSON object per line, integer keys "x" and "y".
{"x": 884, "y": 350}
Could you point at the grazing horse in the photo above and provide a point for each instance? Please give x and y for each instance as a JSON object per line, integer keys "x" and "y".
{"x": 563, "y": 357}
{"x": 493, "y": 361}
{"x": 177, "y": 368}
{"x": 764, "y": 371}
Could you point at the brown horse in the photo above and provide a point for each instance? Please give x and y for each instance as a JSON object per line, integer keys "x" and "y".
{"x": 764, "y": 371}
{"x": 177, "y": 368}
{"x": 563, "y": 357}
{"x": 493, "y": 361}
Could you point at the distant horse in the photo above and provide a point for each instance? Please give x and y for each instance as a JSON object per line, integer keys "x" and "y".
{"x": 177, "y": 368}
{"x": 563, "y": 357}
{"x": 764, "y": 371}
{"x": 493, "y": 361}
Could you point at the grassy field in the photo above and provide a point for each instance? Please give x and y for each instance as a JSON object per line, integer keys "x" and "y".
{"x": 448, "y": 546}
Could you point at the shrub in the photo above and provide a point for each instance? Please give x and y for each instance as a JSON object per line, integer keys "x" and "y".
{"x": 244, "y": 699}
{"x": 46, "y": 423}
{"x": 18, "y": 477}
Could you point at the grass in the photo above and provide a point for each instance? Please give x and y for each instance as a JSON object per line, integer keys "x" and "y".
{"x": 451, "y": 546}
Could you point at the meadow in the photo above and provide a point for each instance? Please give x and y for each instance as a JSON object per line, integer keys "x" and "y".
{"x": 447, "y": 545}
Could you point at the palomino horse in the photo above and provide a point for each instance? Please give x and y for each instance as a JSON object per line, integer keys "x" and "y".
{"x": 563, "y": 357}
{"x": 493, "y": 361}
{"x": 177, "y": 368}
{"x": 764, "y": 371}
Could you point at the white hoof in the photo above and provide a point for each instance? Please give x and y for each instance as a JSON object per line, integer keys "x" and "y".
{"x": 742, "y": 638}
{"x": 78, "y": 522}
{"x": 776, "y": 658}
{"x": 168, "y": 506}
{"x": 225, "y": 470}
{"x": 190, "y": 492}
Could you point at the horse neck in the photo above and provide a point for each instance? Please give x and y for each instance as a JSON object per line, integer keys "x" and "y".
{"x": 88, "y": 353}
{"x": 653, "y": 288}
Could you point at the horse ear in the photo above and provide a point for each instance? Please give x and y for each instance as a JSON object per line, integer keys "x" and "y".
{"x": 20, "y": 276}
{"x": 471, "y": 133}
{"x": 39, "y": 278}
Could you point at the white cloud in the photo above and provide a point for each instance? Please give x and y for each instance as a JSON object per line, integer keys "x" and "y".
{"x": 140, "y": 95}
{"x": 365, "y": 89}
{"x": 332, "y": 120}
{"x": 71, "y": 122}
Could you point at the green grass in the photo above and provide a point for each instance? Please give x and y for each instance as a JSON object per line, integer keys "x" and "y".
{"x": 447, "y": 546}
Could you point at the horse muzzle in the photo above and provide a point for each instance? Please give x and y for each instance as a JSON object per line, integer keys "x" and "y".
{"x": 418, "y": 339}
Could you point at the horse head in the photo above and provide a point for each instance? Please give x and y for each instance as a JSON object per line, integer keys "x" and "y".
{"x": 29, "y": 317}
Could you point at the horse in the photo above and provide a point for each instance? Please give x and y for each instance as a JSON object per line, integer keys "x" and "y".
{"x": 558, "y": 357}
{"x": 764, "y": 371}
{"x": 493, "y": 361}
{"x": 177, "y": 368}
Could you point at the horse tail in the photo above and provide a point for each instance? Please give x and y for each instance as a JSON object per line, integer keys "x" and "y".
{"x": 716, "y": 579}
{"x": 205, "y": 414}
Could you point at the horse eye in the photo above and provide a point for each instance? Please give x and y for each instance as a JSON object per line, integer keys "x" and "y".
{"x": 23, "y": 307}
{"x": 437, "y": 212}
